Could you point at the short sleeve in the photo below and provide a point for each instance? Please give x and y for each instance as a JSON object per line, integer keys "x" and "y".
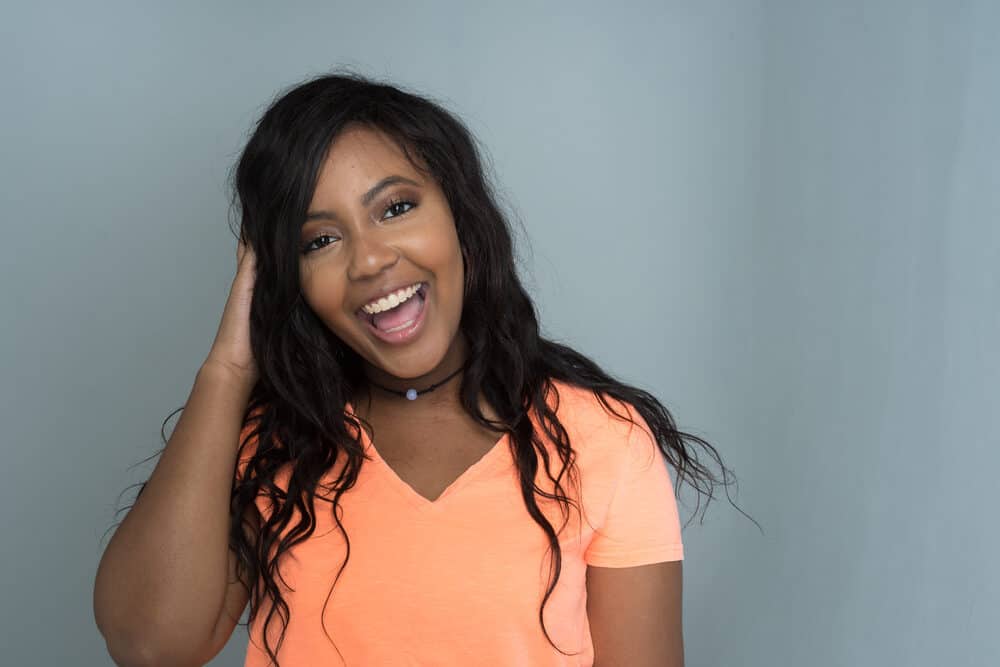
{"x": 642, "y": 525}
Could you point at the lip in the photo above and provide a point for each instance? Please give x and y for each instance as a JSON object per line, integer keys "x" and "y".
{"x": 388, "y": 291}
{"x": 405, "y": 335}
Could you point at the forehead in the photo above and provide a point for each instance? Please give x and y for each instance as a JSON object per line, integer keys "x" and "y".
{"x": 360, "y": 155}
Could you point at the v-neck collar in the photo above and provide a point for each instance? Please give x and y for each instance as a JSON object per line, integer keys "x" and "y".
{"x": 491, "y": 460}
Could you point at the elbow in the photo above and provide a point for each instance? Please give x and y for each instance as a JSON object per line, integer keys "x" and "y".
{"x": 124, "y": 654}
{"x": 137, "y": 655}
{"x": 152, "y": 646}
{"x": 131, "y": 651}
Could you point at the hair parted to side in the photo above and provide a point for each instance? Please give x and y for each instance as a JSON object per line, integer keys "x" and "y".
{"x": 307, "y": 375}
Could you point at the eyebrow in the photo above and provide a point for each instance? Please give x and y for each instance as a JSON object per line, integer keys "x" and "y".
{"x": 366, "y": 198}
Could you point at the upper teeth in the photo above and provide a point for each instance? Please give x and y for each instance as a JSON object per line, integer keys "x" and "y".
{"x": 391, "y": 301}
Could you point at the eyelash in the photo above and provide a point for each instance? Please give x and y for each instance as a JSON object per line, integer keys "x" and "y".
{"x": 393, "y": 202}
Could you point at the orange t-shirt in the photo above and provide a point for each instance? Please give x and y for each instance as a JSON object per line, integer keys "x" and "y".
{"x": 459, "y": 580}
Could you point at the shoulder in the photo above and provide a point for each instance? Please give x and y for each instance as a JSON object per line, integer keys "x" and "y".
{"x": 589, "y": 414}
{"x": 603, "y": 431}
{"x": 613, "y": 448}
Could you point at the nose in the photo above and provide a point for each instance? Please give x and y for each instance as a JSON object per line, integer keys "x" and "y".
{"x": 370, "y": 257}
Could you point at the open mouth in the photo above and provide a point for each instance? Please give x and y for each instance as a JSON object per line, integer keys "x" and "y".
{"x": 400, "y": 323}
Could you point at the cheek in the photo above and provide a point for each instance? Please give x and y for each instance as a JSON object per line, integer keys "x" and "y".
{"x": 450, "y": 266}
{"x": 324, "y": 296}
{"x": 444, "y": 249}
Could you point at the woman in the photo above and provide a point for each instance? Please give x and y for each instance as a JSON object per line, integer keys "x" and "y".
{"x": 420, "y": 478}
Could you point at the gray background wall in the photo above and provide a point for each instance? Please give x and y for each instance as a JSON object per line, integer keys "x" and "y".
{"x": 787, "y": 209}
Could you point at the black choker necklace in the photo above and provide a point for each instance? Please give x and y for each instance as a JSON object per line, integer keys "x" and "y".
{"x": 413, "y": 393}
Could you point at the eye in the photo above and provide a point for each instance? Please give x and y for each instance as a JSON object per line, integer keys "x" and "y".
{"x": 309, "y": 247}
{"x": 399, "y": 202}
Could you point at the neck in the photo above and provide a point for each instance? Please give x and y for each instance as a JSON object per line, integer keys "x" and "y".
{"x": 412, "y": 391}
{"x": 436, "y": 391}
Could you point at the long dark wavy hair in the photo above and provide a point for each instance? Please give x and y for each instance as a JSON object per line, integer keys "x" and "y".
{"x": 296, "y": 413}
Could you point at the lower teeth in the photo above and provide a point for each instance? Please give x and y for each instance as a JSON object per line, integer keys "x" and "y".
{"x": 400, "y": 327}
{"x": 405, "y": 325}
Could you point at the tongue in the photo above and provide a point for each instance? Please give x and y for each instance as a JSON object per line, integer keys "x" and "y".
{"x": 408, "y": 310}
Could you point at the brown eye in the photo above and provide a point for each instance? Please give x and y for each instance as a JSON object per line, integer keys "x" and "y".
{"x": 397, "y": 203}
{"x": 309, "y": 247}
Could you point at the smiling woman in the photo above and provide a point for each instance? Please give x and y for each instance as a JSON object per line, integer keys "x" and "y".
{"x": 388, "y": 363}
{"x": 384, "y": 240}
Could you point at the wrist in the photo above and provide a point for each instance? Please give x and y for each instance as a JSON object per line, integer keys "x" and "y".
{"x": 230, "y": 371}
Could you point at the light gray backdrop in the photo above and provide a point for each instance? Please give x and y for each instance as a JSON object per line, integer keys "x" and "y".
{"x": 780, "y": 217}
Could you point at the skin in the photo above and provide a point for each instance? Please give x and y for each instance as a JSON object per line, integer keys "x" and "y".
{"x": 635, "y": 615}
{"x": 359, "y": 249}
